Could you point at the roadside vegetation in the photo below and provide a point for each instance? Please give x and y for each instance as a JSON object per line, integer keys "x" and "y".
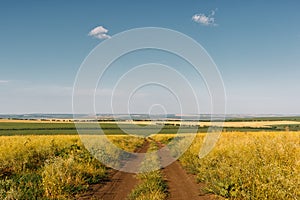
{"x": 153, "y": 185}
{"x": 254, "y": 165}
{"x": 51, "y": 167}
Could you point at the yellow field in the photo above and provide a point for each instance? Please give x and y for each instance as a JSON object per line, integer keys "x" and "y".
{"x": 254, "y": 165}
{"x": 252, "y": 124}
{"x": 258, "y": 124}
{"x": 55, "y": 167}
{"x": 243, "y": 165}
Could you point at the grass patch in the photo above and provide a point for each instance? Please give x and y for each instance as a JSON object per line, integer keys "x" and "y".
{"x": 152, "y": 186}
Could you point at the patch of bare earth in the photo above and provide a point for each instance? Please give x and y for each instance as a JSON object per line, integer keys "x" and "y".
{"x": 183, "y": 186}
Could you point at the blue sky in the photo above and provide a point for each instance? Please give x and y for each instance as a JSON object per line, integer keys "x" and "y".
{"x": 255, "y": 44}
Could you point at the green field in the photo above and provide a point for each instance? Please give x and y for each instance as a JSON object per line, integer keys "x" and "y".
{"x": 288, "y": 118}
{"x": 16, "y": 128}
{"x": 23, "y": 128}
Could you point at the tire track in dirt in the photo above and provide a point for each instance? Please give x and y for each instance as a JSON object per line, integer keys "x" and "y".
{"x": 182, "y": 185}
{"x": 119, "y": 185}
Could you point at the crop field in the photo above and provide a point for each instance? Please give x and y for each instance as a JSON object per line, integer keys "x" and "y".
{"x": 46, "y": 128}
{"x": 49, "y": 161}
{"x": 27, "y": 127}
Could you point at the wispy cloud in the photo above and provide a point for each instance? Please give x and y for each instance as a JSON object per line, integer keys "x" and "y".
{"x": 3, "y": 81}
{"x": 46, "y": 90}
{"x": 206, "y": 20}
{"x": 99, "y": 32}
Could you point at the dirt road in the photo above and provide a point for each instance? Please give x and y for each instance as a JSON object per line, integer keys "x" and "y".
{"x": 181, "y": 186}
{"x": 119, "y": 185}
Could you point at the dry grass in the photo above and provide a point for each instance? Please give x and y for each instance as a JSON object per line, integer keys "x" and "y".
{"x": 256, "y": 165}
{"x": 55, "y": 167}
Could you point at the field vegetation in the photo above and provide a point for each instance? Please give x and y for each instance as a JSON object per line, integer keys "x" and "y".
{"x": 51, "y": 167}
{"x": 54, "y": 128}
{"x": 46, "y": 128}
{"x": 153, "y": 185}
{"x": 253, "y": 165}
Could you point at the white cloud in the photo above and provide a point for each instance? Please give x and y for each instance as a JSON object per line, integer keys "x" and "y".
{"x": 207, "y": 20}
{"x": 99, "y": 32}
